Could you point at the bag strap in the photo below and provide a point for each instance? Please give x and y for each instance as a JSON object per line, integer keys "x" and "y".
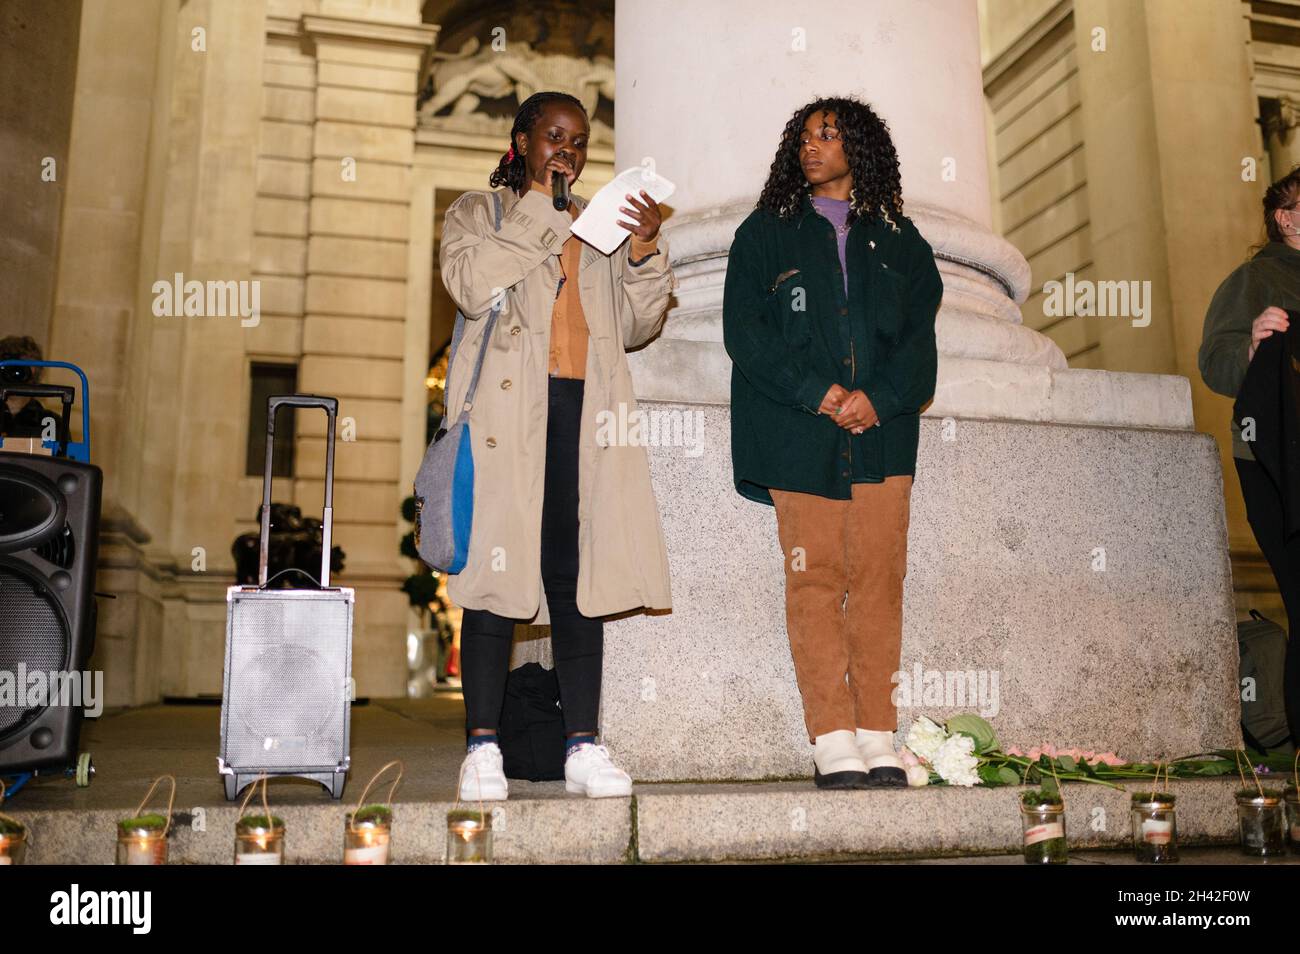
{"x": 459, "y": 331}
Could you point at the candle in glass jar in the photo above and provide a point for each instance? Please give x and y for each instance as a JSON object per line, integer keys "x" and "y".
{"x": 146, "y": 851}
{"x": 259, "y": 840}
{"x": 469, "y": 838}
{"x": 367, "y": 836}
{"x": 13, "y": 844}
{"x": 1261, "y": 823}
{"x": 372, "y": 849}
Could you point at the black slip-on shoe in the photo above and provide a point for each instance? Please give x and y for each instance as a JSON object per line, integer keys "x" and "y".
{"x": 841, "y": 779}
{"x": 887, "y": 776}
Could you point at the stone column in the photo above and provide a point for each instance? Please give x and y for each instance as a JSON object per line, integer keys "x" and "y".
{"x": 759, "y": 73}
{"x": 1039, "y": 554}
{"x": 356, "y": 343}
{"x": 1281, "y": 117}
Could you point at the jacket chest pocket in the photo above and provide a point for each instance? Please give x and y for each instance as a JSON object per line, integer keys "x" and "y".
{"x": 787, "y": 296}
{"x": 890, "y": 294}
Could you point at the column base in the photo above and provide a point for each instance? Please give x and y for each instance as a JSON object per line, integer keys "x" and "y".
{"x": 1079, "y": 573}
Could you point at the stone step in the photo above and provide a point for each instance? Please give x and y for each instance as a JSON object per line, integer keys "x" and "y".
{"x": 663, "y": 822}
{"x": 768, "y": 821}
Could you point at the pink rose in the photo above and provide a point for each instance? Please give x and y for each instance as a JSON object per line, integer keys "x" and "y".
{"x": 1108, "y": 758}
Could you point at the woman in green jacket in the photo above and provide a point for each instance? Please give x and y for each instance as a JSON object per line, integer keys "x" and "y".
{"x": 829, "y": 318}
{"x": 1248, "y": 307}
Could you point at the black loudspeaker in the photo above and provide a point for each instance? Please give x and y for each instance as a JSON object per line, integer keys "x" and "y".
{"x": 49, "y": 529}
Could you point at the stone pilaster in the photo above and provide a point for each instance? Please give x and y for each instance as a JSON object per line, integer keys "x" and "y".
{"x": 355, "y": 306}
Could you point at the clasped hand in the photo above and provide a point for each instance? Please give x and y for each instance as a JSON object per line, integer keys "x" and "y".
{"x": 851, "y": 410}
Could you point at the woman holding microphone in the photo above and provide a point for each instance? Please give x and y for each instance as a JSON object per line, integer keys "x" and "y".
{"x": 565, "y": 529}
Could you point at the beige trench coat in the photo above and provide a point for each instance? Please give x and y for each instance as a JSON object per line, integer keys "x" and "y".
{"x": 622, "y": 560}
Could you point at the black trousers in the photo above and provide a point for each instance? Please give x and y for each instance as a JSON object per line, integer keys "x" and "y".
{"x": 1264, "y": 512}
{"x": 577, "y": 641}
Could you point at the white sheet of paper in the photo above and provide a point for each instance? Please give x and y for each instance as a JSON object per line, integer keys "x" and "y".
{"x": 598, "y": 224}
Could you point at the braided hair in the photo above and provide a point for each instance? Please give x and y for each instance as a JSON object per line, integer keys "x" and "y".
{"x": 511, "y": 171}
{"x": 869, "y": 149}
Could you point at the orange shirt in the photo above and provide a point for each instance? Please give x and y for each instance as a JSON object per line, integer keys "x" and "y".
{"x": 568, "y": 322}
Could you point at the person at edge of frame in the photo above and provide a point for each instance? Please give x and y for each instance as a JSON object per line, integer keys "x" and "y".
{"x": 565, "y": 530}
{"x": 1246, "y": 308}
{"x": 22, "y": 416}
{"x": 829, "y": 312}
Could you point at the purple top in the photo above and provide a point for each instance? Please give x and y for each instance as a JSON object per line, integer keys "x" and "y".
{"x": 837, "y": 212}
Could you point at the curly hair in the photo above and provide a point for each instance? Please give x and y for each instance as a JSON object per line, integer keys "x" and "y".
{"x": 869, "y": 149}
{"x": 511, "y": 171}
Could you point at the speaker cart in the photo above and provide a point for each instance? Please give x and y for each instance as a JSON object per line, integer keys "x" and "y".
{"x": 286, "y": 705}
{"x": 49, "y": 535}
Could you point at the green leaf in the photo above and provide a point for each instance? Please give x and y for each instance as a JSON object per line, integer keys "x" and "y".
{"x": 970, "y": 724}
{"x": 1008, "y": 776}
{"x": 1213, "y": 768}
{"x": 1068, "y": 763}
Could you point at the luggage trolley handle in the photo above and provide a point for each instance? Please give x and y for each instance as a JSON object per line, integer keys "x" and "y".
{"x": 65, "y": 394}
{"x": 331, "y": 407}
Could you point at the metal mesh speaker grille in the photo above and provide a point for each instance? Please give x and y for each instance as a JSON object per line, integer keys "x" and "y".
{"x": 287, "y": 692}
{"x": 31, "y": 632}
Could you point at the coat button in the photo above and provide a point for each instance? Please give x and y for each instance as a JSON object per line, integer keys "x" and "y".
{"x": 844, "y": 454}
{"x": 505, "y": 384}
{"x": 514, "y": 330}
{"x": 844, "y": 473}
{"x": 844, "y": 311}
{"x": 491, "y": 442}
{"x": 847, "y": 362}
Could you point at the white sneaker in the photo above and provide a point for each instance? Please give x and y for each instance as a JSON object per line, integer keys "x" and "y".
{"x": 588, "y": 770}
{"x": 482, "y": 777}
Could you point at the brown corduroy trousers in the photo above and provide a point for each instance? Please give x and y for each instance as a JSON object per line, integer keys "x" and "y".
{"x": 835, "y": 548}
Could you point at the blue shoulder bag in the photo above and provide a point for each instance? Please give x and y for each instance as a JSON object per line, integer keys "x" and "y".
{"x": 444, "y": 485}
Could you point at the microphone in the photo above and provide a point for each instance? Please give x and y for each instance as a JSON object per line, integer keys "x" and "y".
{"x": 559, "y": 190}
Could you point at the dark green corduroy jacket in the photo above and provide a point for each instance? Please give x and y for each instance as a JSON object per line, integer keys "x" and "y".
{"x": 792, "y": 333}
{"x": 1270, "y": 277}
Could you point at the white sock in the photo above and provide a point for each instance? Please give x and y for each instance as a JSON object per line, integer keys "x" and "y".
{"x": 877, "y": 748}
